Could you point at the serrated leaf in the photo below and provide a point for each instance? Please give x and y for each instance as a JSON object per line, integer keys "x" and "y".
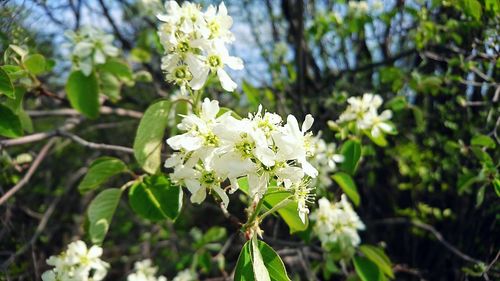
{"x": 100, "y": 213}
{"x": 10, "y": 125}
{"x": 352, "y": 153}
{"x": 100, "y": 171}
{"x": 348, "y": 186}
{"x": 377, "y": 256}
{"x": 150, "y": 136}
{"x": 35, "y": 64}
{"x": 6, "y": 86}
{"x": 155, "y": 198}
{"x": 83, "y": 93}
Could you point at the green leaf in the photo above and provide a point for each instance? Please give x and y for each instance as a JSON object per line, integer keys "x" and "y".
{"x": 100, "y": 213}
{"x": 244, "y": 270}
{"x": 6, "y": 86}
{"x": 496, "y": 186}
{"x": 119, "y": 69}
{"x": 377, "y": 256}
{"x": 110, "y": 86}
{"x": 83, "y": 93}
{"x": 367, "y": 270}
{"x": 380, "y": 140}
{"x": 149, "y": 137}
{"x": 273, "y": 263}
{"x": 348, "y": 186}
{"x": 10, "y": 125}
{"x": 100, "y": 171}
{"x": 480, "y": 196}
{"x": 140, "y": 55}
{"x": 482, "y": 140}
{"x": 35, "y": 63}
{"x": 352, "y": 153}
{"x": 155, "y": 198}
{"x": 259, "y": 268}
{"x": 289, "y": 212}
{"x": 473, "y": 8}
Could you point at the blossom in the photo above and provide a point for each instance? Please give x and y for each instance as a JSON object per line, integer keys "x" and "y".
{"x": 90, "y": 47}
{"x": 145, "y": 271}
{"x": 325, "y": 158}
{"x": 195, "y": 45}
{"x": 77, "y": 263}
{"x": 214, "y": 148}
{"x": 337, "y": 225}
{"x": 186, "y": 275}
{"x": 363, "y": 111}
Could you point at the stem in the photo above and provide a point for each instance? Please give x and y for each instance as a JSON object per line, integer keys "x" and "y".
{"x": 276, "y": 207}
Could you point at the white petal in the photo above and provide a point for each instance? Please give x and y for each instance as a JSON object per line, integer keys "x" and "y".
{"x": 226, "y": 81}
{"x": 308, "y": 122}
{"x": 199, "y": 78}
{"x": 222, "y": 195}
{"x": 234, "y": 62}
{"x": 199, "y": 196}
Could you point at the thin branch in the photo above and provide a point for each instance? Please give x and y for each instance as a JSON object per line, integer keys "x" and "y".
{"x": 72, "y": 112}
{"x": 434, "y": 232}
{"x": 39, "y": 158}
{"x": 93, "y": 145}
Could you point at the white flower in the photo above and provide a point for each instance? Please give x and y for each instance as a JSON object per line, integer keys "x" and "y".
{"x": 358, "y": 8}
{"x": 337, "y": 225}
{"x": 194, "y": 45}
{"x": 294, "y": 143}
{"x": 77, "y": 263}
{"x": 214, "y": 148}
{"x": 145, "y": 271}
{"x": 363, "y": 111}
{"x": 186, "y": 275}
{"x": 325, "y": 158}
{"x": 90, "y": 47}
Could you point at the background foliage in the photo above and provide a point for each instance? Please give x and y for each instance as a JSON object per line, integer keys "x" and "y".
{"x": 429, "y": 196}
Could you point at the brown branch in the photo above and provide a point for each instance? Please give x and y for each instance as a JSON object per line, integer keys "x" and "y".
{"x": 93, "y": 145}
{"x": 39, "y": 158}
{"x": 126, "y": 44}
{"x": 72, "y": 112}
{"x": 434, "y": 232}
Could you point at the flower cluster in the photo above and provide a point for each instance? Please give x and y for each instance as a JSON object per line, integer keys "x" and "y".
{"x": 217, "y": 147}
{"x": 89, "y": 47}
{"x": 77, "y": 263}
{"x": 337, "y": 225}
{"x": 364, "y": 112}
{"x": 358, "y": 8}
{"x": 325, "y": 158}
{"x": 186, "y": 275}
{"x": 145, "y": 271}
{"x": 194, "y": 43}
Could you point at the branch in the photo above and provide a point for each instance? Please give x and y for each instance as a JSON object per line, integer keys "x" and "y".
{"x": 434, "y": 232}
{"x": 93, "y": 145}
{"x": 126, "y": 44}
{"x": 39, "y": 158}
{"x": 72, "y": 112}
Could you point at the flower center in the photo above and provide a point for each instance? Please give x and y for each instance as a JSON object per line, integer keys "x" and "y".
{"x": 183, "y": 47}
{"x": 214, "y": 61}
{"x": 208, "y": 178}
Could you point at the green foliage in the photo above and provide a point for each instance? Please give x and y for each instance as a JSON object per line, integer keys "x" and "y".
{"x": 352, "y": 153}
{"x": 256, "y": 253}
{"x": 367, "y": 270}
{"x": 35, "y": 64}
{"x": 83, "y": 93}
{"x": 155, "y": 198}
{"x": 100, "y": 213}
{"x": 348, "y": 186}
{"x": 100, "y": 171}
{"x": 10, "y": 125}
{"x": 377, "y": 256}
{"x": 6, "y": 86}
{"x": 150, "y": 136}
{"x": 288, "y": 212}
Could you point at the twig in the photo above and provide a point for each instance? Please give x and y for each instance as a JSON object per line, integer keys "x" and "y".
{"x": 98, "y": 146}
{"x": 39, "y": 158}
{"x": 72, "y": 112}
{"x": 43, "y": 222}
{"x": 434, "y": 232}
